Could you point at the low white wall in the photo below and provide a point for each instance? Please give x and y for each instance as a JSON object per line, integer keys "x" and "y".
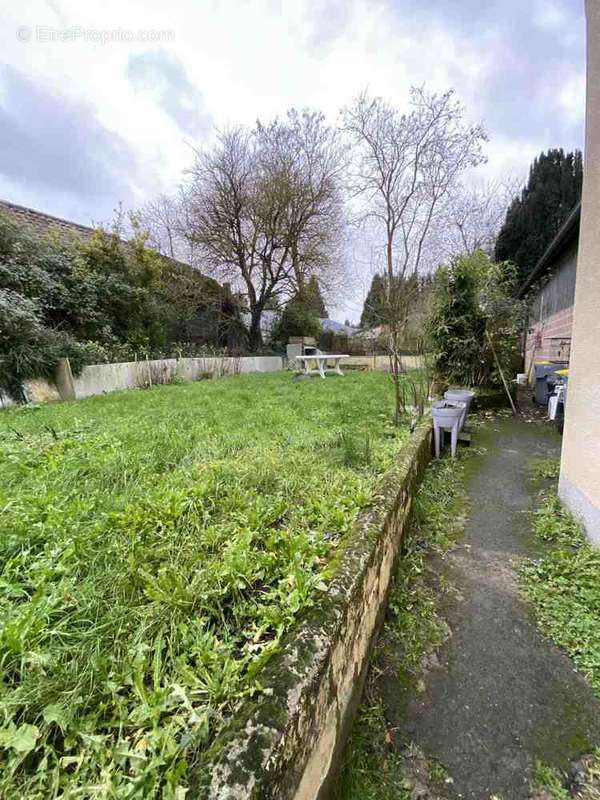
{"x": 104, "y": 378}
{"x": 381, "y": 362}
{"x": 260, "y": 363}
{"x": 101, "y": 378}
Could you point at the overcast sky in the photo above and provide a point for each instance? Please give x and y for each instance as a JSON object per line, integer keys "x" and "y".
{"x": 86, "y": 124}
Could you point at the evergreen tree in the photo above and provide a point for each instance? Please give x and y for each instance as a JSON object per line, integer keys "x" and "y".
{"x": 456, "y": 325}
{"x": 298, "y": 318}
{"x": 373, "y": 312}
{"x": 313, "y": 299}
{"x": 534, "y": 217}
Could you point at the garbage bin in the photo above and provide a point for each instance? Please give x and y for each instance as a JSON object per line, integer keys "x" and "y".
{"x": 543, "y": 372}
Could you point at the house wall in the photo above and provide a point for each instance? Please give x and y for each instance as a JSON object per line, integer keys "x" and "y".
{"x": 579, "y": 485}
{"x": 551, "y": 314}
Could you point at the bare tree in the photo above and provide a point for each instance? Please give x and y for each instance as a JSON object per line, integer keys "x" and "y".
{"x": 164, "y": 221}
{"x": 405, "y": 166}
{"x": 473, "y": 216}
{"x": 263, "y": 207}
{"x": 306, "y": 155}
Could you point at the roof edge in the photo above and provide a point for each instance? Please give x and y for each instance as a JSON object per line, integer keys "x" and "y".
{"x": 51, "y": 217}
{"x": 565, "y": 232}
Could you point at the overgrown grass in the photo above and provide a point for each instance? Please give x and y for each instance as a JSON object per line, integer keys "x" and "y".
{"x": 155, "y": 547}
{"x": 563, "y": 586}
{"x": 544, "y": 467}
{"x": 373, "y": 769}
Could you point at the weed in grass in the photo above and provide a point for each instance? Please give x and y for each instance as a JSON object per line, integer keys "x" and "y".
{"x": 544, "y": 468}
{"x": 553, "y": 523}
{"x": 372, "y": 768}
{"x": 582, "y": 780}
{"x": 355, "y": 450}
{"x": 155, "y": 547}
{"x": 548, "y": 783}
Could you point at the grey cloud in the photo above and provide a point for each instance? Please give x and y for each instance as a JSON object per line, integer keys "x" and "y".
{"x": 530, "y": 61}
{"x": 50, "y": 143}
{"x": 163, "y": 75}
{"x": 328, "y": 21}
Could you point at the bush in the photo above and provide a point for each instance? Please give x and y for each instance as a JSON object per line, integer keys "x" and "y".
{"x": 473, "y": 320}
{"x": 28, "y": 349}
{"x": 92, "y": 301}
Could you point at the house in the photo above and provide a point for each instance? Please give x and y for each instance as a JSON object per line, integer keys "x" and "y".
{"x": 371, "y": 334}
{"x": 579, "y": 484}
{"x": 337, "y": 327}
{"x": 551, "y": 291}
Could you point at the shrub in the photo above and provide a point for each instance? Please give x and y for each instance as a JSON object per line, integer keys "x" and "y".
{"x": 94, "y": 301}
{"x": 474, "y": 321}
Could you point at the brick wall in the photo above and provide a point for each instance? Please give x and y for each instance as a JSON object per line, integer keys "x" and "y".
{"x": 550, "y": 340}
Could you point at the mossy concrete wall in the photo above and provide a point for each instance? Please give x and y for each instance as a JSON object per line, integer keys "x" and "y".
{"x": 286, "y": 745}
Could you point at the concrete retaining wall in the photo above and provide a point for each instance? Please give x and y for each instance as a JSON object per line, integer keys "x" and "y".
{"x": 381, "y": 362}
{"x": 286, "y": 746}
{"x": 104, "y": 378}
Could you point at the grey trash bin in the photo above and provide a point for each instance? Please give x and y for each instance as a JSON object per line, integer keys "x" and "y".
{"x": 542, "y": 373}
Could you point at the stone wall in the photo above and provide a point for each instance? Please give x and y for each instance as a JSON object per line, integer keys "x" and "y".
{"x": 286, "y": 745}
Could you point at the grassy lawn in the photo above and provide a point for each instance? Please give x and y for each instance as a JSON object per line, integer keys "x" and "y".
{"x": 155, "y": 546}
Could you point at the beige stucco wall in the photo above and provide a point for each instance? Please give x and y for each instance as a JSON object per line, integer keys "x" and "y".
{"x": 580, "y": 466}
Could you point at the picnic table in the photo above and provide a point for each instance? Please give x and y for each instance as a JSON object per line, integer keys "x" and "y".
{"x": 317, "y": 363}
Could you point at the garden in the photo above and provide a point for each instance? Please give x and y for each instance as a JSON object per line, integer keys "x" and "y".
{"x": 156, "y": 545}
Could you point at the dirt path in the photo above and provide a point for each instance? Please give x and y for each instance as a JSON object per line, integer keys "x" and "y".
{"x": 498, "y": 696}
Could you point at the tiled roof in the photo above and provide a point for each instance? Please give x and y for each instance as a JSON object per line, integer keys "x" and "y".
{"x": 41, "y": 223}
